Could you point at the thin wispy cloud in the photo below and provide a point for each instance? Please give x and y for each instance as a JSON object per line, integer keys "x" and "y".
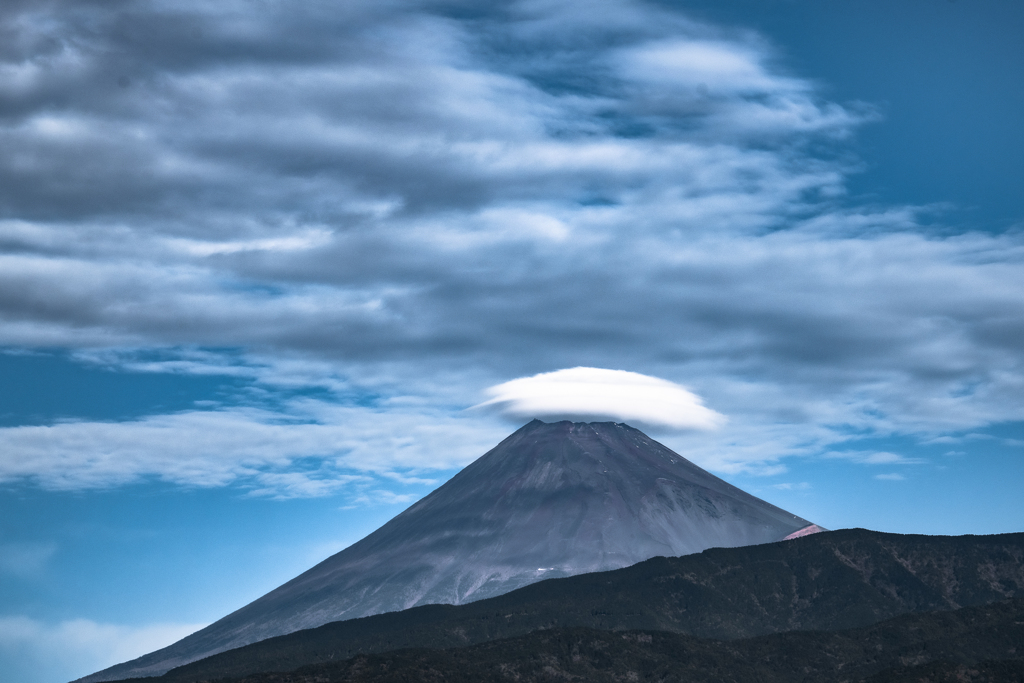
{"x": 874, "y": 457}
{"x": 790, "y": 486}
{"x": 344, "y": 449}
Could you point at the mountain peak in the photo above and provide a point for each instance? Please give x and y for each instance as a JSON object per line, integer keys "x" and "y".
{"x": 551, "y": 500}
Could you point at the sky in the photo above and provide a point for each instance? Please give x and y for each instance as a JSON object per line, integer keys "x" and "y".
{"x": 271, "y": 271}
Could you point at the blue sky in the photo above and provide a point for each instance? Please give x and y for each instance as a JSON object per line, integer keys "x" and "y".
{"x": 257, "y": 261}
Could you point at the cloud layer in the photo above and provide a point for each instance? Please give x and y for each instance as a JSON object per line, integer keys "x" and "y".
{"x": 322, "y": 450}
{"x": 422, "y": 199}
{"x": 596, "y": 394}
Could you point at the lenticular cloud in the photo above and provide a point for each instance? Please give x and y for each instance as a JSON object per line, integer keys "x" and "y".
{"x": 598, "y": 394}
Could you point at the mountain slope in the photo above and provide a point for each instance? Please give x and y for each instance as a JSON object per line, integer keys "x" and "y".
{"x": 551, "y": 500}
{"x": 825, "y": 582}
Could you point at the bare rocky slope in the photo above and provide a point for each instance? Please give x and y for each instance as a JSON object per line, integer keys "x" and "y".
{"x": 551, "y": 500}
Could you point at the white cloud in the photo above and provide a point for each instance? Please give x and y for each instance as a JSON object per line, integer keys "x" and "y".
{"x": 38, "y": 651}
{"x": 596, "y": 394}
{"x": 308, "y": 239}
{"x": 712, "y": 66}
{"x": 890, "y": 477}
{"x": 320, "y": 449}
{"x": 302, "y": 484}
{"x": 790, "y": 486}
{"x": 385, "y": 497}
{"x": 874, "y": 457}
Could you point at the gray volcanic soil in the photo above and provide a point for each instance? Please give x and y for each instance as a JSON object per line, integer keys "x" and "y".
{"x": 551, "y": 500}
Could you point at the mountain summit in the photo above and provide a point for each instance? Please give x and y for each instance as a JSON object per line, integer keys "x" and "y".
{"x": 550, "y": 500}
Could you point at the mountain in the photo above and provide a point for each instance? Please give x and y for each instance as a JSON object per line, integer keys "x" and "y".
{"x": 831, "y": 581}
{"x": 551, "y": 500}
{"x": 961, "y": 645}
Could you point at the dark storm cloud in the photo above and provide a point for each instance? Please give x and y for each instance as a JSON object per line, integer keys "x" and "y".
{"x": 422, "y": 199}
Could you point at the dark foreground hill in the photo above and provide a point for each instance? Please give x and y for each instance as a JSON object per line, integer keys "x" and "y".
{"x": 974, "y": 643}
{"x": 824, "y": 582}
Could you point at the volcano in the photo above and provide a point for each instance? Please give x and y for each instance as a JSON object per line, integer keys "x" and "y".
{"x": 551, "y": 500}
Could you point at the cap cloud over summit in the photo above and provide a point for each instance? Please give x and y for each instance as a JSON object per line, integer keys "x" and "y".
{"x": 597, "y": 394}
